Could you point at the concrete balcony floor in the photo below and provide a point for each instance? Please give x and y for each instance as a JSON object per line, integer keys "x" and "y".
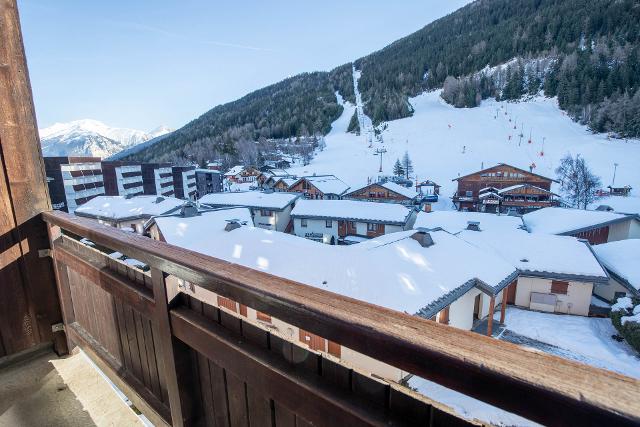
{"x": 49, "y": 391}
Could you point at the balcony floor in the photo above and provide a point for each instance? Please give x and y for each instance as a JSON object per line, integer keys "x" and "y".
{"x": 51, "y": 391}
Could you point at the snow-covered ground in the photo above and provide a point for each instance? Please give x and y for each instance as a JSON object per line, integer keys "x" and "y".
{"x": 586, "y": 339}
{"x": 445, "y": 142}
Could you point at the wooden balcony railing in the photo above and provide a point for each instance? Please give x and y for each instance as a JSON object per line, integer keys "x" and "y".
{"x": 187, "y": 363}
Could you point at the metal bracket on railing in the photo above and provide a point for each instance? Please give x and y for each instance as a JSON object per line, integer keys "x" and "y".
{"x": 43, "y": 253}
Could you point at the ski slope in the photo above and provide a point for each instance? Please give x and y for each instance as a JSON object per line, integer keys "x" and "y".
{"x": 446, "y": 142}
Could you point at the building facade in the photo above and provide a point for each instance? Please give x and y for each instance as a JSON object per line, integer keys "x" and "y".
{"x": 320, "y": 187}
{"x": 384, "y": 192}
{"x": 73, "y": 181}
{"x": 208, "y": 181}
{"x": 184, "y": 182}
{"x": 157, "y": 179}
{"x": 122, "y": 178}
{"x": 503, "y": 188}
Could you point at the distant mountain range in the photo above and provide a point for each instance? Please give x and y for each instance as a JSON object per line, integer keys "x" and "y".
{"x": 93, "y": 138}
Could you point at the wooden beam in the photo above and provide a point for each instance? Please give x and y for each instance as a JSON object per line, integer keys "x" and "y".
{"x": 503, "y": 305}
{"x": 174, "y": 363}
{"x": 558, "y": 390}
{"x": 492, "y": 306}
{"x": 28, "y": 290}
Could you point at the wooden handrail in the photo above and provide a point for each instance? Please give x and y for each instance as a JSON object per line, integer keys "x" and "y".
{"x": 540, "y": 387}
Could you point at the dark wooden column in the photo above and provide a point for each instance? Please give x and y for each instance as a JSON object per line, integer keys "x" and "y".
{"x": 503, "y": 305}
{"x": 27, "y": 284}
{"x": 492, "y": 307}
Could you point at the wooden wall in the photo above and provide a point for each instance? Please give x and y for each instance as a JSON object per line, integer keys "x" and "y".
{"x": 27, "y": 286}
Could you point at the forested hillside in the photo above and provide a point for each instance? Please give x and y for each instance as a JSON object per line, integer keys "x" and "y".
{"x": 585, "y": 52}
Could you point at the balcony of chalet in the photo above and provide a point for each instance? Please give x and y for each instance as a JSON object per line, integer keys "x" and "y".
{"x": 184, "y": 362}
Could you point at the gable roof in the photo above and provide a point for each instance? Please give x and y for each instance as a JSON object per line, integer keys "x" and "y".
{"x": 234, "y": 170}
{"x": 250, "y": 199}
{"x": 541, "y": 255}
{"x": 517, "y": 186}
{"x": 120, "y": 208}
{"x": 505, "y": 164}
{"x": 352, "y": 210}
{"x": 327, "y": 184}
{"x": 622, "y": 260}
{"x": 408, "y": 193}
{"x": 555, "y": 220}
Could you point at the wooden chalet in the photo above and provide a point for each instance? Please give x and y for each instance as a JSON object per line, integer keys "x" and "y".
{"x": 384, "y": 192}
{"x": 620, "y": 191}
{"x": 241, "y": 174}
{"x": 183, "y": 362}
{"x": 504, "y": 188}
{"x": 322, "y": 187}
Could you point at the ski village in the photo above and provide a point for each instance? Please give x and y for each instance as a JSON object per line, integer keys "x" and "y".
{"x": 443, "y": 232}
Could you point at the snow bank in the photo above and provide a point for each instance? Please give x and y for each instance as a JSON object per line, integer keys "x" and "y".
{"x": 623, "y": 303}
{"x": 628, "y": 205}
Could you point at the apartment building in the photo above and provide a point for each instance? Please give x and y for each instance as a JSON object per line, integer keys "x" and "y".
{"x": 184, "y": 182}
{"x": 122, "y": 178}
{"x": 73, "y": 181}
{"x": 157, "y": 179}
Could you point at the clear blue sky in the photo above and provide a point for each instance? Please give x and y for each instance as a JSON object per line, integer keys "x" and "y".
{"x": 140, "y": 64}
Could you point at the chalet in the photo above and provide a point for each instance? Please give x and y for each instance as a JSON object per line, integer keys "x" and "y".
{"x": 268, "y": 178}
{"x": 271, "y": 211}
{"x": 128, "y": 213}
{"x": 283, "y": 184}
{"x": 620, "y": 191}
{"x": 331, "y": 221}
{"x": 621, "y": 260}
{"x": 324, "y": 187}
{"x": 555, "y": 273}
{"x": 522, "y": 191}
{"x": 215, "y": 166}
{"x": 595, "y": 226}
{"x": 242, "y": 174}
{"x": 384, "y": 192}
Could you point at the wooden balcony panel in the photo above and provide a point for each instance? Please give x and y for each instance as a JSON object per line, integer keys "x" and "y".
{"x": 557, "y": 391}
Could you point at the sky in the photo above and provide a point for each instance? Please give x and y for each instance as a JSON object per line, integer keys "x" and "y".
{"x": 141, "y": 64}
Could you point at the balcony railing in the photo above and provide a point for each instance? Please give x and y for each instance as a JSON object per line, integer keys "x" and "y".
{"x": 185, "y": 362}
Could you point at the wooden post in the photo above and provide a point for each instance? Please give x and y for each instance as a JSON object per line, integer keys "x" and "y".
{"x": 27, "y": 281}
{"x": 174, "y": 361}
{"x": 492, "y": 306}
{"x": 503, "y": 305}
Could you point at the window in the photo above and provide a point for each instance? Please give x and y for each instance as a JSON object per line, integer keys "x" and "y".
{"x": 265, "y": 212}
{"x": 303, "y": 222}
{"x": 559, "y": 287}
{"x": 372, "y": 227}
{"x": 469, "y": 193}
{"x": 328, "y": 223}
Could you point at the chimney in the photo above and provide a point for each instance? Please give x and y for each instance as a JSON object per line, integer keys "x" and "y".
{"x": 232, "y": 224}
{"x": 473, "y": 225}
{"x": 424, "y": 238}
{"x": 427, "y": 207}
{"x": 189, "y": 210}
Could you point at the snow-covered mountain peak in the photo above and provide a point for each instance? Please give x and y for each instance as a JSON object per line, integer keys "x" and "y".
{"x": 88, "y": 137}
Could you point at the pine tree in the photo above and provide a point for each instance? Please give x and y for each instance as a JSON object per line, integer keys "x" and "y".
{"x": 407, "y": 165}
{"x": 398, "y": 170}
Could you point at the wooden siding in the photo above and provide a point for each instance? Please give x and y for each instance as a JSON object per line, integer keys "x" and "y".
{"x": 595, "y": 236}
{"x": 376, "y": 192}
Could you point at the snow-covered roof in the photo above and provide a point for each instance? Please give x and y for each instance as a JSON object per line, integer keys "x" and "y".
{"x": 328, "y": 184}
{"x": 619, "y": 204}
{"x": 352, "y": 210}
{"x": 414, "y": 276}
{"x": 120, "y": 207}
{"x": 188, "y": 232}
{"x": 234, "y": 170}
{"x": 566, "y": 220}
{"x": 540, "y": 254}
{"x": 250, "y": 199}
{"x": 454, "y": 221}
{"x": 408, "y": 192}
{"x": 622, "y": 259}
